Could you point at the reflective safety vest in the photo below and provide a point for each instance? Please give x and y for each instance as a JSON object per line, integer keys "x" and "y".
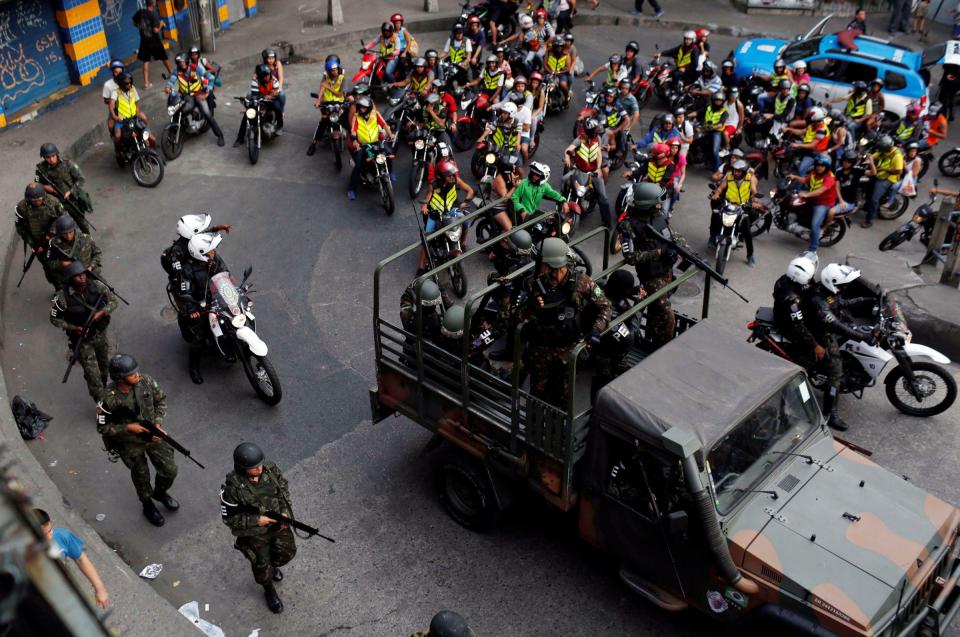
{"x": 557, "y": 64}
{"x": 612, "y": 78}
{"x": 419, "y": 83}
{"x": 441, "y": 113}
{"x": 457, "y": 55}
{"x": 738, "y": 193}
{"x": 190, "y": 85}
{"x": 612, "y": 117}
{"x": 503, "y": 141}
{"x": 775, "y": 81}
{"x": 387, "y": 48}
{"x": 657, "y": 139}
{"x": 904, "y": 132}
{"x": 684, "y": 57}
{"x": 811, "y": 133}
{"x": 856, "y": 109}
{"x": 655, "y": 173}
{"x": 817, "y": 182}
{"x": 884, "y": 164}
{"x": 443, "y": 198}
{"x": 368, "y": 130}
{"x": 713, "y": 117}
{"x": 330, "y": 95}
{"x": 587, "y": 154}
{"x": 491, "y": 82}
{"x": 778, "y": 106}
{"x": 127, "y": 104}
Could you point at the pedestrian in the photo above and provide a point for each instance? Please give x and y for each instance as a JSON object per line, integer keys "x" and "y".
{"x": 899, "y": 16}
{"x": 859, "y": 22}
{"x": 63, "y": 544}
{"x": 920, "y": 19}
{"x": 151, "y": 27}
{"x": 638, "y": 8}
{"x": 566, "y": 9}
{"x": 129, "y": 399}
{"x": 61, "y": 178}
{"x": 949, "y": 86}
{"x": 254, "y": 487}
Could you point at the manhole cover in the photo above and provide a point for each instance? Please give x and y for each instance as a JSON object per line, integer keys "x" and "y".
{"x": 688, "y": 290}
{"x": 168, "y": 313}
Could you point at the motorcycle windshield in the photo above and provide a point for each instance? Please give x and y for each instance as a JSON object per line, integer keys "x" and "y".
{"x": 224, "y": 290}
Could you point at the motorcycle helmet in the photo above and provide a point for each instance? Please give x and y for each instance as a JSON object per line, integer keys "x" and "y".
{"x": 740, "y": 165}
{"x": 437, "y": 84}
{"x": 851, "y": 156}
{"x": 419, "y": 63}
{"x": 801, "y": 269}
{"x": 702, "y": 33}
{"x": 34, "y": 191}
{"x": 509, "y": 108}
{"x": 266, "y": 54}
{"x": 387, "y": 27}
{"x": 541, "y": 170}
{"x": 689, "y": 35}
{"x": 473, "y": 20}
{"x": 934, "y": 109}
{"x": 624, "y": 83}
{"x": 500, "y": 50}
{"x": 836, "y": 115}
{"x": 677, "y": 112}
{"x": 674, "y": 142}
{"x": 667, "y": 118}
{"x": 397, "y": 17}
{"x": 557, "y": 44}
{"x": 804, "y": 88}
{"x": 834, "y": 275}
{"x": 457, "y": 28}
{"x": 822, "y": 160}
{"x": 610, "y": 92}
{"x": 554, "y": 252}
{"x": 181, "y": 57}
{"x": 718, "y": 96}
{"x": 727, "y": 64}
{"x": 816, "y": 114}
{"x": 800, "y": 65}
{"x": 201, "y": 245}
{"x": 263, "y": 73}
{"x": 492, "y": 60}
{"x": 733, "y": 92}
{"x": 194, "y": 49}
{"x": 64, "y": 224}
{"x": 433, "y": 99}
{"x": 48, "y": 150}
{"x": 447, "y": 168}
{"x": 615, "y": 59}
{"x": 779, "y": 64}
{"x": 632, "y": 46}
{"x": 247, "y": 456}
{"x": 876, "y": 82}
{"x": 592, "y": 127}
{"x": 189, "y": 225}
{"x": 452, "y": 324}
{"x": 521, "y": 242}
{"x": 659, "y": 151}
{"x": 117, "y": 64}
{"x": 914, "y": 110}
{"x": 785, "y": 85}
{"x": 125, "y": 81}
{"x": 708, "y": 68}
{"x": 540, "y": 13}
{"x": 364, "y": 104}
{"x": 122, "y": 365}
{"x": 526, "y": 22}
{"x": 911, "y": 146}
{"x": 536, "y": 76}
{"x": 885, "y": 143}
{"x": 332, "y": 62}
{"x": 859, "y": 86}
{"x": 568, "y": 38}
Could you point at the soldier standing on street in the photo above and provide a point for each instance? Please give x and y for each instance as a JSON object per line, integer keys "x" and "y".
{"x": 57, "y": 173}
{"x": 69, "y": 245}
{"x": 652, "y": 257}
{"x": 608, "y": 357}
{"x": 35, "y": 217}
{"x": 70, "y": 310}
{"x": 554, "y": 310}
{"x": 130, "y": 398}
{"x": 253, "y": 488}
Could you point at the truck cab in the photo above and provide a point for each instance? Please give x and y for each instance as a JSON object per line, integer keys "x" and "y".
{"x": 705, "y": 469}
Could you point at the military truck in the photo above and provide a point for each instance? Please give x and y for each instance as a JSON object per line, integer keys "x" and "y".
{"x": 705, "y": 468}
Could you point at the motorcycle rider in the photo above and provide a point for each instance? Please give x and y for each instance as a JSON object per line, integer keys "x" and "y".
{"x": 490, "y": 82}
{"x": 728, "y": 78}
{"x": 782, "y": 108}
{"x": 827, "y": 326}
{"x": 64, "y": 175}
{"x": 538, "y": 94}
{"x": 508, "y": 177}
{"x": 614, "y": 119}
{"x": 116, "y": 70}
{"x": 330, "y": 92}
{"x": 586, "y": 153}
{"x": 368, "y": 128}
{"x": 171, "y": 259}
{"x": 858, "y": 108}
{"x": 910, "y": 128}
{"x": 664, "y": 131}
{"x": 790, "y": 294}
{"x": 628, "y": 102}
{"x": 530, "y": 191}
{"x": 714, "y": 122}
{"x": 441, "y": 202}
{"x": 504, "y": 131}
{"x": 433, "y": 66}
{"x": 266, "y": 86}
{"x": 552, "y": 335}
{"x": 440, "y": 113}
{"x": 735, "y": 115}
{"x": 803, "y": 103}
{"x": 34, "y": 218}
{"x": 886, "y": 166}
{"x": 190, "y": 82}
{"x": 71, "y": 308}
{"x": 529, "y": 42}
{"x": 738, "y": 189}
{"x": 557, "y": 61}
{"x": 877, "y": 101}
{"x": 840, "y": 138}
{"x": 387, "y": 46}
{"x": 407, "y": 47}
{"x": 499, "y": 12}
{"x": 418, "y": 81}
{"x": 195, "y": 275}
{"x": 69, "y": 246}
{"x": 822, "y": 192}
{"x": 848, "y": 185}
{"x": 935, "y": 127}
{"x": 478, "y": 39}
{"x": 658, "y": 169}
{"x": 815, "y": 139}
{"x": 614, "y": 70}
{"x": 686, "y": 57}
{"x": 524, "y": 116}
{"x": 774, "y": 81}
{"x": 708, "y": 83}
{"x": 459, "y": 51}
{"x": 124, "y": 105}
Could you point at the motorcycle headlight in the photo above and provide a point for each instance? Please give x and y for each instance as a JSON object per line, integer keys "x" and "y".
{"x": 490, "y": 158}
{"x": 381, "y": 159}
{"x": 171, "y": 110}
{"x": 454, "y": 233}
{"x": 251, "y": 113}
{"x": 565, "y": 228}
{"x": 238, "y": 321}
{"x": 146, "y": 135}
{"x": 419, "y": 145}
{"x": 365, "y": 64}
{"x": 581, "y": 191}
{"x": 729, "y": 219}
{"x": 773, "y": 193}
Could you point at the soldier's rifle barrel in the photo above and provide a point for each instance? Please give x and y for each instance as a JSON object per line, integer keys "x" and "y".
{"x": 300, "y": 526}
{"x": 81, "y": 336}
{"x": 423, "y": 235}
{"x": 46, "y": 180}
{"x": 155, "y": 431}
{"x": 696, "y": 260}
{"x": 26, "y": 266}
{"x": 93, "y": 275}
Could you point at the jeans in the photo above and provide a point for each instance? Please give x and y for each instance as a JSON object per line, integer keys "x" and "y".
{"x": 924, "y": 145}
{"x": 390, "y": 69}
{"x": 666, "y": 206}
{"x": 358, "y": 158}
{"x": 204, "y": 107}
{"x": 881, "y": 191}
{"x": 603, "y": 202}
{"x": 816, "y": 221}
{"x": 638, "y": 5}
{"x": 806, "y": 165}
{"x": 716, "y": 143}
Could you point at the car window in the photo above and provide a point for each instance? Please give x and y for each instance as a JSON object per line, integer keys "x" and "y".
{"x": 801, "y": 49}
{"x": 894, "y": 81}
{"x": 854, "y": 71}
{"x": 840, "y": 70}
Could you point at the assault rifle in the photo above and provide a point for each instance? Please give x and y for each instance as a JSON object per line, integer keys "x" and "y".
{"x": 59, "y": 193}
{"x": 91, "y": 274}
{"x": 27, "y": 264}
{"x": 81, "y": 336}
{"x": 155, "y": 431}
{"x": 279, "y": 518}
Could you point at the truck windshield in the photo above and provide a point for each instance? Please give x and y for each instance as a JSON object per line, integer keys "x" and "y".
{"x": 801, "y": 49}
{"x": 749, "y": 451}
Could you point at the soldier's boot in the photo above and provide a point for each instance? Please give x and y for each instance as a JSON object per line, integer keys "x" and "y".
{"x": 194, "y": 360}
{"x": 152, "y": 514}
{"x": 168, "y": 500}
{"x": 277, "y": 574}
{"x": 831, "y": 400}
{"x": 274, "y": 602}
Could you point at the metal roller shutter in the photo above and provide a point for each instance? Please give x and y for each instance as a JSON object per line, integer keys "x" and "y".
{"x": 123, "y": 38}
{"x": 32, "y": 62}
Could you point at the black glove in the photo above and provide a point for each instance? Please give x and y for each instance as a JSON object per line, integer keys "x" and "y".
{"x": 876, "y": 335}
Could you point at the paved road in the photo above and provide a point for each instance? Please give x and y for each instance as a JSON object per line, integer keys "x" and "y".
{"x": 398, "y": 558}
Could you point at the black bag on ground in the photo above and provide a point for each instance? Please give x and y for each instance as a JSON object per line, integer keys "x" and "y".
{"x": 30, "y": 421}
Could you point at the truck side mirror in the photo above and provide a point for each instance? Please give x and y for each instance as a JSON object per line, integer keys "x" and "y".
{"x": 677, "y": 523}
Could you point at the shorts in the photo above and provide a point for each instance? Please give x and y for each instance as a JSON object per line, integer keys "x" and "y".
{"x": 151, "y": 49}
{"x": 730, "y": 130}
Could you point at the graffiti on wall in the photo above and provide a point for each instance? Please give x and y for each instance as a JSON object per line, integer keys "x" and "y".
{"x": 29, "y": 46}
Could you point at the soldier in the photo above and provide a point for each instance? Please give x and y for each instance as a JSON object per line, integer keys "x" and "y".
{"x": 69, "y": 245}
{"x": 128, "y": 399}
{"x": 59, "y": 174}
{"x": 446, "y": 623}
{"x": 253, "y": 488}
{"x": 608, "y": 356}
{"x": 555, "y": 306}
{"x": 35, "y": 216}
{"x": 434, "y": 303}
{"x": 70, "y": 310}
{"x": 652, "y": 257}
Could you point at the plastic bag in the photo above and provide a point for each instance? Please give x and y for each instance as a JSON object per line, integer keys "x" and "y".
{"x": 30, "y": 421}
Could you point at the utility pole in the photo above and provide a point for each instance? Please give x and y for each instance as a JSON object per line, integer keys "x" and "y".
{"x": 206, "y": 25}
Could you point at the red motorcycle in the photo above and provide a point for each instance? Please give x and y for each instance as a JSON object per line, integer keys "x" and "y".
{"x": 373, "y": 71}
{"x": 591, "y": 98}
{"x": 791, "y": 213}
{"x": 471, "y": 118}
{"x": 643, "y": 89}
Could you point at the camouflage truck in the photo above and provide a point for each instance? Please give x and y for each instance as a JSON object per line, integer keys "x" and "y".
{"x": 705, "y": 469}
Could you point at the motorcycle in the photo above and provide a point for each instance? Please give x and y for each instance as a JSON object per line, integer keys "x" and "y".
{"x": 424, "y": 155}
{"x": 482, "y": 11}
{"x": 731, "y": 216}
{"x": 556, "y": 100}
{"x": 233, "y": 333}
{"x": 591, "y": 100}
{"x": 448, "y": 246}
{"x": 334, "y": 132}
{"x": 485, "y": 159}
{"x": 577, "y": 188}
{"x": 923, "y": 220}
{"x": 185, "y": 120}
{"x": 563, "y": 224}
{"x": 146, "y": 164}
{"x": 375, "y": 173}
{"x": 949, "y": 163}
{"x": 912, "y": 386}
{"x": 469, "y": 126}
{"x": 261, "y": 124}
{"x": 373, "y": 71}
{"x": 643, "y": 89}
{"x": 791, "y": 213}
{"x": 403, "y": 117}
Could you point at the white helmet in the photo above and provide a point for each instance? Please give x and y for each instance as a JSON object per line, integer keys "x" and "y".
{"x": 541, "y": 168}
{"x": 526, "y": 22}
{"x": 189, "y": 225}
{"x": 509, "y": 107}
{"x": 801, "y": 269}
{"x": 799, "y": 65}
{"x": 689, "y": 35}
{"x": 835, "y": 274}
{"x": 201, "y": 245}
{"x": 816, "y": 114}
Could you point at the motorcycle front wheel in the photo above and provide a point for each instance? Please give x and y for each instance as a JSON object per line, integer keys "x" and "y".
{"x": 949, "y": 163}
{"x": 253, "y": 149}
{"x": 171, "y": 141}
{"x": 894, "y": 239}
{"x": 386, "y": 195}
{"x": 723, "y": 253}
{"x": 486, "y": 229}
{"x": 418, "y": 174}
{"x": 147, "y": 168}
{"x": 833, "y": 233}
{"x": 458, "y": 279}
{"x": 337, "y": 146}
{"x": 262, "y": 376}
{"x": 931, "y": 380}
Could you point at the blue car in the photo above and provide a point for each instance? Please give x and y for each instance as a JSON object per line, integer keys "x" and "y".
{"x": 833, "y": 68}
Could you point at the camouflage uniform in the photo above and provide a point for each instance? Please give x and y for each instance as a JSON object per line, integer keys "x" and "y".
{"x": 33, "y": 224}
{"x": 145, "y": 401}
{"x": 66, "y": 177}
{"x": 266, "y": 547}
{"x": 71, "y": 308}
{"x": 554, "y": 330}
{"x": 408, "y": 312}
{"x": 82, "y": 249}
{"x": 654, "y": 261}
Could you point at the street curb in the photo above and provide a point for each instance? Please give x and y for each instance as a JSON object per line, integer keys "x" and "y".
{"x": 604, "y": 19}
{"x": 935, "y": 331}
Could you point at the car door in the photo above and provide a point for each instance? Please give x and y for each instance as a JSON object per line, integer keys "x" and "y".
{"x": 832, "y": 76}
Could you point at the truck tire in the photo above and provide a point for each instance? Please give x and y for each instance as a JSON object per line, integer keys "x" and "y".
{"x": 466, "y": 493}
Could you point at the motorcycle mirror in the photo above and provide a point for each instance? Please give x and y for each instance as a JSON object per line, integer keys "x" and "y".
{"x": 936, "y": 182}
{"x": 246, "y": 274}
{"x": 164, "y": 76}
